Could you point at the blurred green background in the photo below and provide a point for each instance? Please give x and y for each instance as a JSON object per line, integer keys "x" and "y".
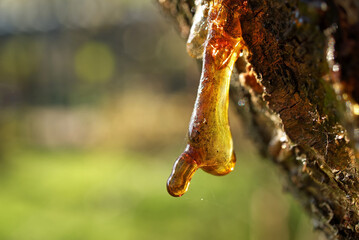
{"x": 95, "y": 98}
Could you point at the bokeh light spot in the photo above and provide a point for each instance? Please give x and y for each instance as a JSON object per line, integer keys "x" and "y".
{"x": 94, "y": 62}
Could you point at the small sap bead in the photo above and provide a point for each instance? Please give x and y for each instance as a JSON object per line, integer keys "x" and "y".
{"x": 199, "y": 29}
{"x": 181, "y": 176}
{"x": 210, "y": 145}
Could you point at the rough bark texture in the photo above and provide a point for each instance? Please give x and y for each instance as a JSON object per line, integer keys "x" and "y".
{"x": 289, "y": 96}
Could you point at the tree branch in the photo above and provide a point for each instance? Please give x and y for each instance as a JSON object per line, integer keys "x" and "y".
{"x": 293, "y": 105}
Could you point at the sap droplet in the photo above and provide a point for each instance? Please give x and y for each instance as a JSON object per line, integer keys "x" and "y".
{"x": 339, "y": 136}
{"x": 284, "y": 146}
{"x": 336, "y": 67}
{"x": 181, "y": 175}
{"x": 283, "y": 138}
{"x": 210, "y": 145}
{"x": 241, "y": 102}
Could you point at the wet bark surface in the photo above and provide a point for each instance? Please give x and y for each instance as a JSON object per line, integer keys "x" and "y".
{"x": 296, "y": 90}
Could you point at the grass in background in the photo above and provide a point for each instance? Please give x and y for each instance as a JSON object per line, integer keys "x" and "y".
{"x": 88, "y": 195}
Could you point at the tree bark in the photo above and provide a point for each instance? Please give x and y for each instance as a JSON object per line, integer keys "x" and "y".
{"x": 295, "y": 89}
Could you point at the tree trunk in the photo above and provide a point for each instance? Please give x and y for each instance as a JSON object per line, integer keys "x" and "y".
{"x": 296, "y": 89}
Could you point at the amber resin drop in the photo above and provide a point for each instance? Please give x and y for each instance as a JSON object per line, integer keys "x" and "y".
{"x": 210, "y": 145}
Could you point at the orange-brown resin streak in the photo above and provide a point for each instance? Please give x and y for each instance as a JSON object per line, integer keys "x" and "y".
{"x": 210, "y": 145}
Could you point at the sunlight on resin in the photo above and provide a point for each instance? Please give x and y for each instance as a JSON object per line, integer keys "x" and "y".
{"x": 209, "y": 144}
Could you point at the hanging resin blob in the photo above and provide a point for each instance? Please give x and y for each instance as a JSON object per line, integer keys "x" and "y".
{"x": 210, "y": 145}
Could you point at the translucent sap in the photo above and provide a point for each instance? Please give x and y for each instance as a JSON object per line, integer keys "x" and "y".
{"x": 210, "y": 145}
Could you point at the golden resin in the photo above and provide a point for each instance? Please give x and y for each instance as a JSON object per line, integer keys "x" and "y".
{"x": 210, "y": 145}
